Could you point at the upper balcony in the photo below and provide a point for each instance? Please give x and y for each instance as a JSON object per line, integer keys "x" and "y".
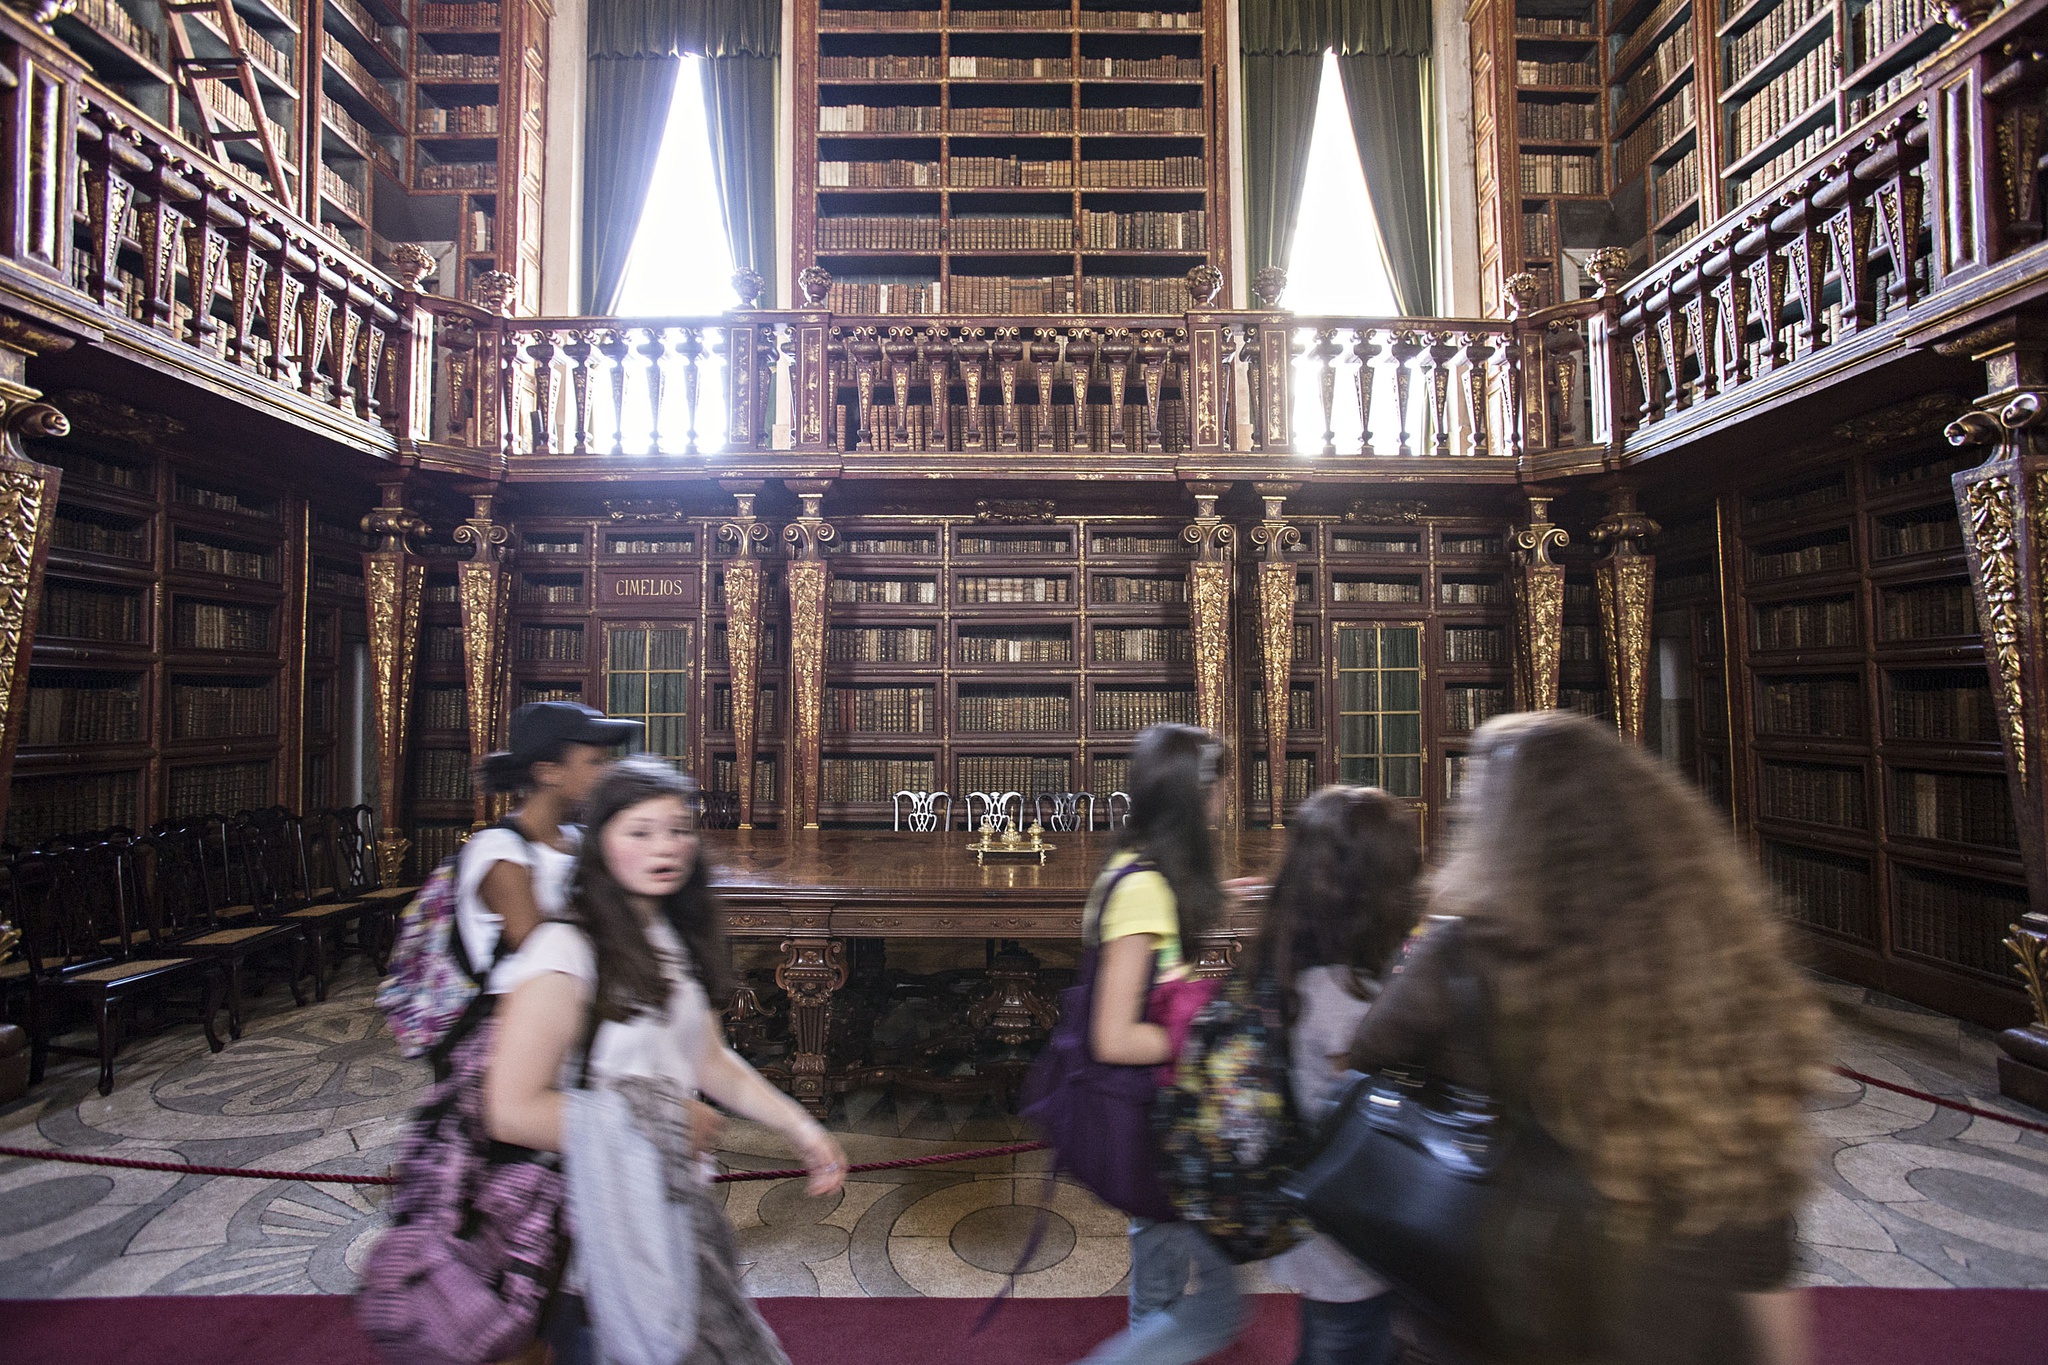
{"x": 116, "y": 235}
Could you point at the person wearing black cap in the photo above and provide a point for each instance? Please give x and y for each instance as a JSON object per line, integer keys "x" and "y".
{"x": 515, "y": 874}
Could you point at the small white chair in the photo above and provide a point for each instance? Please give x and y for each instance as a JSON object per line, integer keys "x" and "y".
{"x": 983, "y": 804}
{"x": 923, "y": 816}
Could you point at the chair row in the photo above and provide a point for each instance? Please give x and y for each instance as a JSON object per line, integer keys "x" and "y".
{"x": 174, "y": 918}
{"x": 924, "y": 812}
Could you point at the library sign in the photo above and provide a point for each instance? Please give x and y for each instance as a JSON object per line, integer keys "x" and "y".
{"x": 645, "y": 589}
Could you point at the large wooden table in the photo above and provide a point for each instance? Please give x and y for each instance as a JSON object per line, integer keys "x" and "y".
{"x": 813, "y": 890}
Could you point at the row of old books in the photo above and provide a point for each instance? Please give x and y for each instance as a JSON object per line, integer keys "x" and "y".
{"x": 1486, "y": 593}
{"x": 1675, "y": 185}
{"x": 456, "y": 175}
{"x": 1772, "y": 172}
{"x": 1004, "y": 294}
{"x": 1931, "y": 612}
{"x": 480, "y": 67}
{"x": 1117, "y": 543}
{"x": 443, "y": 708}
{"x": 83, "y": 713}
{"x": 875, "y": 779}
{"x": 892, "y": 233}
{"x": 199, "y": 556}
{"x": 834, "y": 20}
{"x": 1132, "y": 18}
{"x": 1762, "y": 117}
{"x": 221, "y": 710}
{"x": 1539, "y": 233}
{"x": 1301, "y": 772}
{"x": 1184, "y": 231}
{"x": 1663, "y": 127}
{"x": 117, "y": 539}
{"x": 972, "y": 66}
{"x": 1823, "y": 624}
{"x": 1955, "y": 919}
{"x": 443, "y": 645}
{"x": 1827, "y": 555}
{"x": 1014, "y": 649}
{"x": 1009, "y": 172}
{"x": 989, "y": 233}
{"x": 1671, "y": 56}
{"x": 40, "y": 807}
{"x": 1127, "y": 588}
{"x": 1830, "y": 708}
{"x": 1767, "y": 35}
{"x": 1015, "y": 588}
{"x": 1142, "y": 119}
{"x": 1955, "y": 808}
{"x": 456, "y": 118}
{"x": 196, "y": 494}
{"x": 648, "y": 545}
{"x": 891, "y": 590}
{"x": 770, "y": 647}
{"x": 1301, "y": 709}
{"x": 433, "y": 845}
{"x": 1143, "y": 644}
{"x": 441, "y": 775}
{"x": 1529, "y": 73}
{"x": 1014, "y": 773}
{"x": 984, "y": 712}
{"x": 890, "y": 710}
{"x": 1943, "y": 711}
{"x": 1941, "y": 532}
{"x": 469, "y": 16}
{"x": 884, "y": 118}
{"x": 909, "y": 544}
{"x": 1560, "y": 173}
{"x": 725, "y": 777}
{"x": 550, "y": 644}
{"x": 999, "y": 119}
{"x": 222, "y": 788}
{"x": 1560, "y": 121}
{"x": 888, "y": 67}
{"x": 892, "y": 174}
{"x": 556, "y": 591}
{"x": 1376, "y": 590}
{"x": 1468, "y": 708}
{"x": 882, "y": 645}
{"x": 1883, "y": 23}
{"x": 1563, "y": 28}
{"x": 1117, "y": 294}
{"x": 1134, "y": 708}
{"x": 337, "y": 579}
{"x": 1474, "y": 645}
{"x": 767, "y": 716}
{"x": 1824, "y": 890}
{"x": 217, "y": 625}
{"x": 1814, "y": 794}
{"x": 1632, "y": 44}
{"x": 886, "y": 297}
{"x": 1013, "y": 545}
{"x": 1172, "y": 172}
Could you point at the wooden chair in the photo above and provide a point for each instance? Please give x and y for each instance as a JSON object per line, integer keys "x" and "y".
{"x": 1119, "y": 810}
{"x": 302, "y": 861}
{"x": 718, "y": 810}
{"x": 994, "y": 803}
{"x": 358, "y": 828}
{"x": 167, "y": 873}
{"x": 923, "y": 816}
{"x": 1063, "y": 810}
{"x": 69, "y": 904}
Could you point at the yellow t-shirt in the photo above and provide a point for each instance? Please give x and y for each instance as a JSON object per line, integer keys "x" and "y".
{"x": 1142, "y": 903}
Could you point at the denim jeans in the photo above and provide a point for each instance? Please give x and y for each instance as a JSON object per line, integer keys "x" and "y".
{"x": 1171, "y": 1324}
{"x": 1360, "y": 1333}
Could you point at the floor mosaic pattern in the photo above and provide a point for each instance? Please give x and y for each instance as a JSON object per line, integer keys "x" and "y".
{"x": 1912, "y": 1195}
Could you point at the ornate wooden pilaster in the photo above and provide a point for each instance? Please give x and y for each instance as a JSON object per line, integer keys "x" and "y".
{"x": 395, "y": 583}
{"x": 812, "y": 968}
{"x": 808, "y": 575}
{"x": 2003, "y": 503}
{"x": 1626, "y": 580}
{"x": 484, "y": 589}
{"x": 1275, "y": 538}
{"x": 743, "y": 633}
{"x": 1537, "y": 587}
{"x": 28, "y": 511}
{"x": 1209, "y": 582}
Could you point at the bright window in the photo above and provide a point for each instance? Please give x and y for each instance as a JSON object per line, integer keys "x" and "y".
{"x": 1338, "y": 265}
{"x": 681, "y": 263}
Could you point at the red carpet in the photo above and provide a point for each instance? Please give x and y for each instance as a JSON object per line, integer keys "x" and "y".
{"x": 1857, "y": 1327}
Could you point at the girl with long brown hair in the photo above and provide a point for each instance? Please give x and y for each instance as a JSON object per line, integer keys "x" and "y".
{"x": 1643, "y": 1007}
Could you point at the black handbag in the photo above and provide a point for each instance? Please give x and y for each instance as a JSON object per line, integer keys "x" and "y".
{"x": 1476, "y": 1216}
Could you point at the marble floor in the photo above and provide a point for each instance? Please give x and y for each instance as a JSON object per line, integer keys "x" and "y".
{"x": 1912, "y": 1195}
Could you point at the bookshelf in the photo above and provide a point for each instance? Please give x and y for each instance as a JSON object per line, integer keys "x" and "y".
{"x": 412, "y": 119}
{"x": 1873, "y": 769}
{"x": 168, "y": 671}
{"x": 1010, "y": 158}
{"x": 1640, "y": 123}
{"x": 438, "y": 786}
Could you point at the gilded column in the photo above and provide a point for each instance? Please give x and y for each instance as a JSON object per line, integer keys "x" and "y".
{"x": 28, "y": 511}
{"x": 1275, "y": 538}
{"x": 808, "y": 574}
{"x": 1537, "y": 586}
{"x": 394, "y": 582}
{"x": 1209, "y": 613}
{"x": 2003, "y": 504}
{"x": 484, "y": 589}
{"x": 1626, "y": 581}
{"x": 743, "y": 634}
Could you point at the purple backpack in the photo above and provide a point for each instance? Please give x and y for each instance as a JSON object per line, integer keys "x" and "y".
{"x": 478, "y": 1237}
{"x": 1097, "y": 1117}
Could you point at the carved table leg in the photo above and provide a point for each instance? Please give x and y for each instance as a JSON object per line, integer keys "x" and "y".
{"x": 1016, "y": 1010}
{"x": 811, "y": 970}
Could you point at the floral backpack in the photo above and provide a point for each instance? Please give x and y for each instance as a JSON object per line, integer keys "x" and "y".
{"x": 433, "y": 995}
{"x": 1228, "y": 1133}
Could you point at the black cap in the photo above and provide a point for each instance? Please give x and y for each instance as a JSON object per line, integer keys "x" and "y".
{"x": 539, "y": 726}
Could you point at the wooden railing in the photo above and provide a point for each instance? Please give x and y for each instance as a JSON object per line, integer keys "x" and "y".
{"x": 110, "y": 221}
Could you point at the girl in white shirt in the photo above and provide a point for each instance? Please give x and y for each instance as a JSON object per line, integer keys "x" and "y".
{"x": 1341, "y": 907}
{"x": 643, "y": 939}
{"x": 513, "y": 875}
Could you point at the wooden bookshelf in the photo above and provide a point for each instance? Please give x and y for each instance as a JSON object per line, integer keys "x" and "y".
{"x": 1871, "y": 765}
{"x": 1643, "y": 122}
{"x": 1013, "y": 158}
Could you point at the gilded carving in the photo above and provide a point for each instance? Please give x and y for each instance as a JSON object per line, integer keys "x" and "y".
{"x": 1626, "y": 582}
{"x": 394, "y": 583}
{"x": 484, "y": 592}
{"x": 999, "y": 511}
{"x": 2031, "y": 951}
{"x": 1209, "y": 609}
{"x": 1275, "y": 537}
{"x": 1538, "y": 591}
{"x": 1988, "y": 508}
{"x": 808, "y": 574}
{"x": 28, "y": 510}
{"x": 743, "y": 640}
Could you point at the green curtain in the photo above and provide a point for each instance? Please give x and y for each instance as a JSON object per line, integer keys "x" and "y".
{"x": 635, "y": 50}
{"x": 1279, "y": 114}
{"x": 625, "y": 114}
{"x": 1392, "y": 104}
{"x": 1383, "y": 47}
{"x": 739, "y": 105}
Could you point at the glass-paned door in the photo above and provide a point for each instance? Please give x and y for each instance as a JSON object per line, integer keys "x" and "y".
{"x": 1379, "y": 707}
{"x": 647, "y": 678}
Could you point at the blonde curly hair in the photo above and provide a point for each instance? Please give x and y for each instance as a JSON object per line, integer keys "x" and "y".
{"x": 1647, "y": 997}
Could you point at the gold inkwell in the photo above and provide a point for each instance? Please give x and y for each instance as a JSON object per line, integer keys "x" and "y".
{"x": 1000, "y": 836}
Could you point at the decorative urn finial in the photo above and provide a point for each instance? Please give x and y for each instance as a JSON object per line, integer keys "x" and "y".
{"x": 815, "y": 284}
{"x": 1268, "y": 285}
{"x": 411, "y": 264}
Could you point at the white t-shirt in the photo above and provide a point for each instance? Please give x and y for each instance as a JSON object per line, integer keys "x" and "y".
{"x": 665, "y": 1045}
{"x": 481, "y": 926}
{"x": 1330, "y": 1016}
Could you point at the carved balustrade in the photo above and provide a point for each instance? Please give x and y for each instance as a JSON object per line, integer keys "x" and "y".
{"x": 1403, "y": 386}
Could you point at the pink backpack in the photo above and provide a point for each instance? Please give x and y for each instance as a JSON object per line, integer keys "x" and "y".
{"x": 433, "y": 993}
{"x": 478, "y": 1232}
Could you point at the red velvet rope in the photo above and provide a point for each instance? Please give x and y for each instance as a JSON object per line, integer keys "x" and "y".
{"x": 900, "y": 1164}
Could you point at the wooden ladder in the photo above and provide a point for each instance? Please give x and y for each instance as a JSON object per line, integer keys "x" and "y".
{"x": 194, "y": 74}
